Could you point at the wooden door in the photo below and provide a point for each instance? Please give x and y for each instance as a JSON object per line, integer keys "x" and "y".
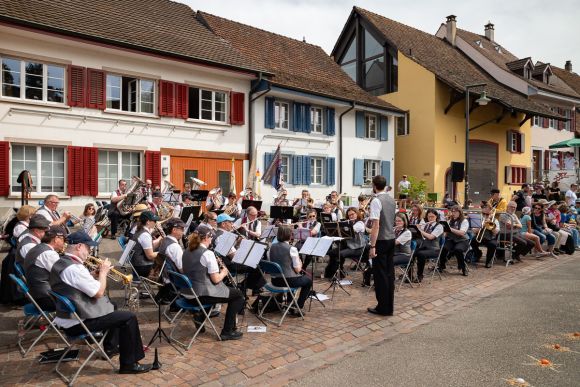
{"x": 207, "y": 170}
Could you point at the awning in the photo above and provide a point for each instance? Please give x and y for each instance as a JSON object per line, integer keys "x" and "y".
{"x": 571, "y": 143}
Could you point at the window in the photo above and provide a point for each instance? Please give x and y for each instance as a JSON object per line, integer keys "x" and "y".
{"x": 567, "y": 123}
{"x": 371, "y": 168}
{"x": 316, "y": 120}
{"x": 281, "y": 114}
{"x": 349, "y": 60}
{"x": 33, "y": 81}
{"x": 285, "y": 167}
{"x": 371, "y": 126}
{"x": 316, "y": 170}
{"x": 552, "y": 123}
{"x": 115, "y": 165}
{"x": 130, "y": 94}
{"x": 537, "y": 121}
{"x": 207, "y": 105}
{"x": 515, "y": 142}
{"x": 188, "y": 174}
{"x": 516, "y": 175}
{"x": 45, "y": 163}
{"x": 224, "y": 181}
{"x": 401, "y": 126}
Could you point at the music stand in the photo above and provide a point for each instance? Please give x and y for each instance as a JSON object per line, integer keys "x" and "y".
{"x": 281, "y": 212}
{"x": 251, "y": 203}
{"x": 249, "y": 254}
{"x": 317, "y": 247}
{"x": 270, "y": 231}
{"x": 199, "y": 195}
{"x": 190, "y": 210}
{"x": 339, "y": 231}
{"x": 171, "y": 198}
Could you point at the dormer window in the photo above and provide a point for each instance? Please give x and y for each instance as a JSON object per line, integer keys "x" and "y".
{"x": 479, "y": 43}
{"x": 498, "y": 49}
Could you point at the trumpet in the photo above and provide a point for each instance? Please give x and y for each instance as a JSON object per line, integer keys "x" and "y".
{"x": 93, "y": 263}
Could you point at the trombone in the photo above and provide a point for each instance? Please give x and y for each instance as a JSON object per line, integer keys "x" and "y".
{"x": 93, "y": 263}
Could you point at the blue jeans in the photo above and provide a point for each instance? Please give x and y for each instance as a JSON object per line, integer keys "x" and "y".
{"x": 575, "y": 236}
{"x": 545, "y": 236}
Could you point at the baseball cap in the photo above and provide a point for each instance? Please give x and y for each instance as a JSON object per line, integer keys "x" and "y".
{"x": 174, "y": 222}
{"x": 224, "y": 218}
{"x": 148, "y": 215}
{"x": 79, "y": 237}
{"x": 204, "y": 230}
{"x": 53, "y": 232}
{"x": 494, "y": 191}
{"x": 39, "y": 221}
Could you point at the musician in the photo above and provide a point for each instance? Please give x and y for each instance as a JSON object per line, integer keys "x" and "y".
{"x": 287, "y": 257}
{"x": 49, "y": 211}
{"x": 363, "y": 206}
{"x": 510, "y": 225}
{"x": 37, "y": 227}
{"x": 23, "y": 215}
{"x": 337, "y": 205}
{"x": 489, "y": 239}
{"x": 210, "y": 220}
{"x": 137, "y": 211}
{"x": 314, "y": 226}
{"x": 201, "y": 267}
{"x": 403, "y": 239}
{"x": 114, "y": 214}
{"x": 496, "y": 201}
{"x": 224, "y": 223}
{"x": 327, "y": 209}
{"x": 429, "y": 246}
{"x": 169, "y": 257}
{"x": 214, "y": 201}
{"x": 38, "y": 264}
{"x": 249, "y": 225}
{"x": 350, "y": 248}
{"x": 147, "y": 191}
{"x": 248, "y": 194}
{"x": 382, "y": 247}
{"x": 456, "y": 241}
{"x": 144, "y": 251}
{"x": 156, "y": 202}
{"x": 281, "y": 199}
{"x": 73, "y": 280}
{"x": 232, "y": 208}
{"x": 302, "y": 204}
{"x": 416, "y": 214}
{"x": 88, "y": 220}
{"x": 186, "y": 191}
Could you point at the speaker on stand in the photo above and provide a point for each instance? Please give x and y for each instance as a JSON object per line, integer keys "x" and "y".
{"x": 457, "y": 171}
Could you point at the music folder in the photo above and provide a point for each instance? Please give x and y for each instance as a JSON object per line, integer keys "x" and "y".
{"x": 281, "y": 212}
{"x": 270, "y": 231}
{"x": 445, "y": 225}
{"x": 252, "y": 203}
{"x": 317, "y": 247}
{"x": 126, "y": 253}
{"x": 301, "y": 234}
{"x": 250, "y": 253}
{"x": 190, "y": 210}
{"x": 414, "y": 228}
{"x": 225, "y": 242}
{"x": 199, "y": 195}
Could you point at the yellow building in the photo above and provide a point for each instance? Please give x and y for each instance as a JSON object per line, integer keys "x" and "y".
{"x": 427, "y": 76}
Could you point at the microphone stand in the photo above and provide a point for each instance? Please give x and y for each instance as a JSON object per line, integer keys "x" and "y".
{"x": 161, "y": 335}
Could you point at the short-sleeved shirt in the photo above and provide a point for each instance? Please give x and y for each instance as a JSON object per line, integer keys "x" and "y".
{"x": 294, "y": 255}
{"x": 19, "y": 229}
{"x": 47, "y": 259}
{"x": 404, "y": 238}
{"x": 175, "y": 253}
{"x": 571, "y": 198}
{"x": 27, "y": 247}
{"x": 209, "y": 261}
{"x": 146, "y": 240}
{"x": 524, "y": 221}
{"x": 376, "y": 207}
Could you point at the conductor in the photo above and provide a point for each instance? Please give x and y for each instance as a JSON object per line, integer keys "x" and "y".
{"x": 382, "y": 215}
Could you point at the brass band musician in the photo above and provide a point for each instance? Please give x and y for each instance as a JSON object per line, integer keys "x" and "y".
{"x": 496, "y": 201}
{"x": 302, "y": 204}
{"x": 351, "y": 248}
{"x": 144, "y": 251}
{"x": 490, "y": 230}
{"x": 249, "y": 225}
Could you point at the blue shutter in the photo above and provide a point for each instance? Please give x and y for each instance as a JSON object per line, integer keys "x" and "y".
{"x": 384, "y": 128}
{"x": 306, "y": 170}
{"x": 268, "y": 157}
{"x": 270, "y": 121}
{"x": 330, "y": 171}
{"x": 360, "y": 125}
{"x": 386, "y": 171}
{"x": 306, "y": 118}
{"x": 297, "y": 170}
{"x": 358, "y": 170}
{"x": 330, "y": 124}
{"x": 296, "y": 122}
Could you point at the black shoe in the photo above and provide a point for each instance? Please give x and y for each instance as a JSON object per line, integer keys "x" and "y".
{"x": 233, "y": 335}
{"x": 295, "y": 313}
{"x": 214, "y": 313}
{"x": 375, "y": 311}
{"x": 487, "y": 265}
{"x": 135, "y": 368}
{"x": 198, "y": 320}
{"x": 464, "y": 272}
{"x": 111, "y": 353}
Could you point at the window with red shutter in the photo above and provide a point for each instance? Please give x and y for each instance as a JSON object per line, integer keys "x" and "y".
{"x": 4, "y": 165}
{"x": 544, "y": 122}
{"x": 153, "y": 167}
{"x": 76, "y": 86}
{"x": 181, "y": 101}
{"x": 96, "y": 83}
{"x": 91, "y": 171}
{"x": 236, "y": 108}
{"x": 75, "y": 170}
{"x": 166, "y": 99}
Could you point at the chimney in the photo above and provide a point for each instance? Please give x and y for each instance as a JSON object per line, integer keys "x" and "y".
{"x": 451, "y": 29}
{"x": 489, "y": 31}
{"x": 568, "y": 66}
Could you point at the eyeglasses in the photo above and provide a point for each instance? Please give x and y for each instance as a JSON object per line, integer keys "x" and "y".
{"x": 312, "y": 217}
{"x": 538, "y": 208}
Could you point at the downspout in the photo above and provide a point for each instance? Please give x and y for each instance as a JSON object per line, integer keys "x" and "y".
{"x": 251, "y": 111}
{"x": 339, "y": 188}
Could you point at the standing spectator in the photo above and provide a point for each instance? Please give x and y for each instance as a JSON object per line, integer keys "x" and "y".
{"x": 555, "y": 161}
{"x": 403, "y": 188}
{"x": 569, "y": 161}
{"x": 571, "y": 195}
{"x": 523, "y": 197}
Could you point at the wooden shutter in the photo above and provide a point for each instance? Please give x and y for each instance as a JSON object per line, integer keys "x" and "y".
{"x": 75, "y": 171}
{"x": 269, "y": 120}
{"x": 522, "y": 141}
{"x": 166, "y": 99}
{"x": 384, "y": 128}
{"x": 330, "y": 122}
{"x": 237, "y": 108}
{"x": 306, "y": 112}
{"x": 386, "y": 171}
{"x": 296, "y": 117}
{"x": 561, "y": 112}
{"x": 91, "y": 171}
{"x": 4, "y": 165}
{"x": 297, "y": 170}
{"x": 181, "y": 101}
{"x": 544, "y": 122}
{"x": 76, "y": 86}
{"x": 306, "y": 178}
{"x": 153, "y": 167}
{"x": 96, "y": 94}
{"x": 508, "y": 174}
{"x": 360, "y": 125}
{"x": 358, "y": 171}
{"x": 330, "y": 171}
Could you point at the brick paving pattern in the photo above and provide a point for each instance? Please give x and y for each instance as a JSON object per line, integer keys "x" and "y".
{"x": 282, "y": 354}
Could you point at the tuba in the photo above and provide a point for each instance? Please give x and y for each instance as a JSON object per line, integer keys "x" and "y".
{"x": 168, "y": 187}
{"x": 216, "y": 197}
{"x": 196, "y": 184}
{"x": 134, "y": 196}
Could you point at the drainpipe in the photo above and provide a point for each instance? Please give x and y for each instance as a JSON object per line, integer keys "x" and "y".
{"x": 339, "y": 188}
{"x": 251, "y": 111}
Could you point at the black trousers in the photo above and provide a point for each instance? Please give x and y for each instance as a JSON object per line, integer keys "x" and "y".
{"x": 457, "y": 249}
{"x": 235, "y": 304}
{"x": 45, "y": 303}
{"x": 333, "y": 263}
{"x": 423, "y": 254}
{"x": 303, "y": 282}
{"x": 491, "y": 245}
{"x": 143, "y": 271}
{"x": 123, "y": 330}
{"x": 522, "y": 246}
{"x": 384, "y": 274}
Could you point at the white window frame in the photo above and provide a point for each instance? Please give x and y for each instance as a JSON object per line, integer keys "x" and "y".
{"x": 315, "y": 178}
{"x": 214, "y": 102}
{"x": 405, "y": 126}
{"x": 286, "y": 166}
{"x": 279, "y": 121}
{"x": 371, "y": 168}
{"x": 536, "y": 121}
{"x": 37, "y": 179}
{"x": 45, "y": 77}
{"x": 368, "y": 129}
{"x": 316, "y": 127}
{"x": 514, "y": 142}
{"x": 119, "y": 168}
{"x": 139, "y": 92}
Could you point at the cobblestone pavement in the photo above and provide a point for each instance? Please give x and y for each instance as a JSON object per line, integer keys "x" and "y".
{"x": 281, "y": 354}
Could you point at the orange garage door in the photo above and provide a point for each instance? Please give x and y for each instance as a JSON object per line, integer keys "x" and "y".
{"x": 214, "y": 172}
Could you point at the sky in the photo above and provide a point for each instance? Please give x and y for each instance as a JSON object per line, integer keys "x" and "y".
{"x": 533, "y": 28}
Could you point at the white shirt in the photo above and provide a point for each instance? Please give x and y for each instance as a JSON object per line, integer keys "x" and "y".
{"x": 404, "y": 185}
{"x": 405, "y": 237}
{"x": 27, "y": 247}
{"x": 20, "y": 228}
{"x": 257, "y": 222}
{"x": 376, "y": 207}
{"x": 359, "y": 226}
{"x": 464, "y": 225}
{"x": 571, "y": 198}
{"x": 114, "y": 194}
{"x": 146, "y": 240}
{"x": 209, "y": 261}
{"x": 569, "y": 163}
{"x": 175, "y": 253}
{"x": 437, "y": 231}
{"x": 47, "y": 259}
{"x": 555, "y": 163}
{"x": 79, "y": 278}
{"x": 46, "y": 213}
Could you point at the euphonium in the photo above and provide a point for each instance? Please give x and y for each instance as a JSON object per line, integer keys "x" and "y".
{"x": 216, "y": 197}
{"x": 94, "y": 263}
{"x": 134, "y": 189}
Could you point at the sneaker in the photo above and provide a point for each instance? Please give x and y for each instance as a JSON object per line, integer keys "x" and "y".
{"x": 233, "y": 335}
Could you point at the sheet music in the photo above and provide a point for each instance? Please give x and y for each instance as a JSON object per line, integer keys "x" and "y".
{"x": 225, "y": 242}
{"x": 334, "y": 239}
{"x": 301, "y": 233}
{"x": 126, "y": 253}
{"x": 258, "y": 250}
{"x": 309, "y": 245}
{"x": 243, "y": 251}
{"x": 269, "y": 232}
{"x": 323, "y": 246}
{"x": 188, "y": 223}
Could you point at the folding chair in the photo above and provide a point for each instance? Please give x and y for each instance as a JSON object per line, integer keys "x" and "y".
{"x": 435, "y": 261}
{"x": 182, "y": 283}
{"x": 273, "y": 269}
{"x": 170, "y": 266}
{"x": 34, "y": 313}
{"x": 405, "y": 269}
{"x": 359, "y": 260}
{"x": 122, "y": 240}
{"x": 18, "y": 269}
{"x": 63, "y": 304}
{"x": 143, "y": 284}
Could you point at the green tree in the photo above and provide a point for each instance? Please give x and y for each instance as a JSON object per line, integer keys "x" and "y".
{"x": 417, "y": 189}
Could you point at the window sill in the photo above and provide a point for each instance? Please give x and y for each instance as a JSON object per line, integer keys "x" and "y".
{"x": 35, "y": 196}
{"x": 216, "y": 123}
{"x": 131, "y": 114}
{"x": 34, "y": 103}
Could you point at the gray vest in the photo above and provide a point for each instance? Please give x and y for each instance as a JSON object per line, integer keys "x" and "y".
{"x": 138, "y": 258}
{"x": 280, "y": 254}
{"x": 165, "y": 243}
{"x": 386, "y": 218}
{"x": 199, "y": 277}
{"x": 24, "y": 241}
{"x": 86, "y": 307}
{"x": 430, "y": 244}
{"x": 37, "y": 277}
{"x": 55, "y": 216}
{"x": 403, "y": 249}
{"x": 452, "y": 236}
{"x": 357, "y": 242}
